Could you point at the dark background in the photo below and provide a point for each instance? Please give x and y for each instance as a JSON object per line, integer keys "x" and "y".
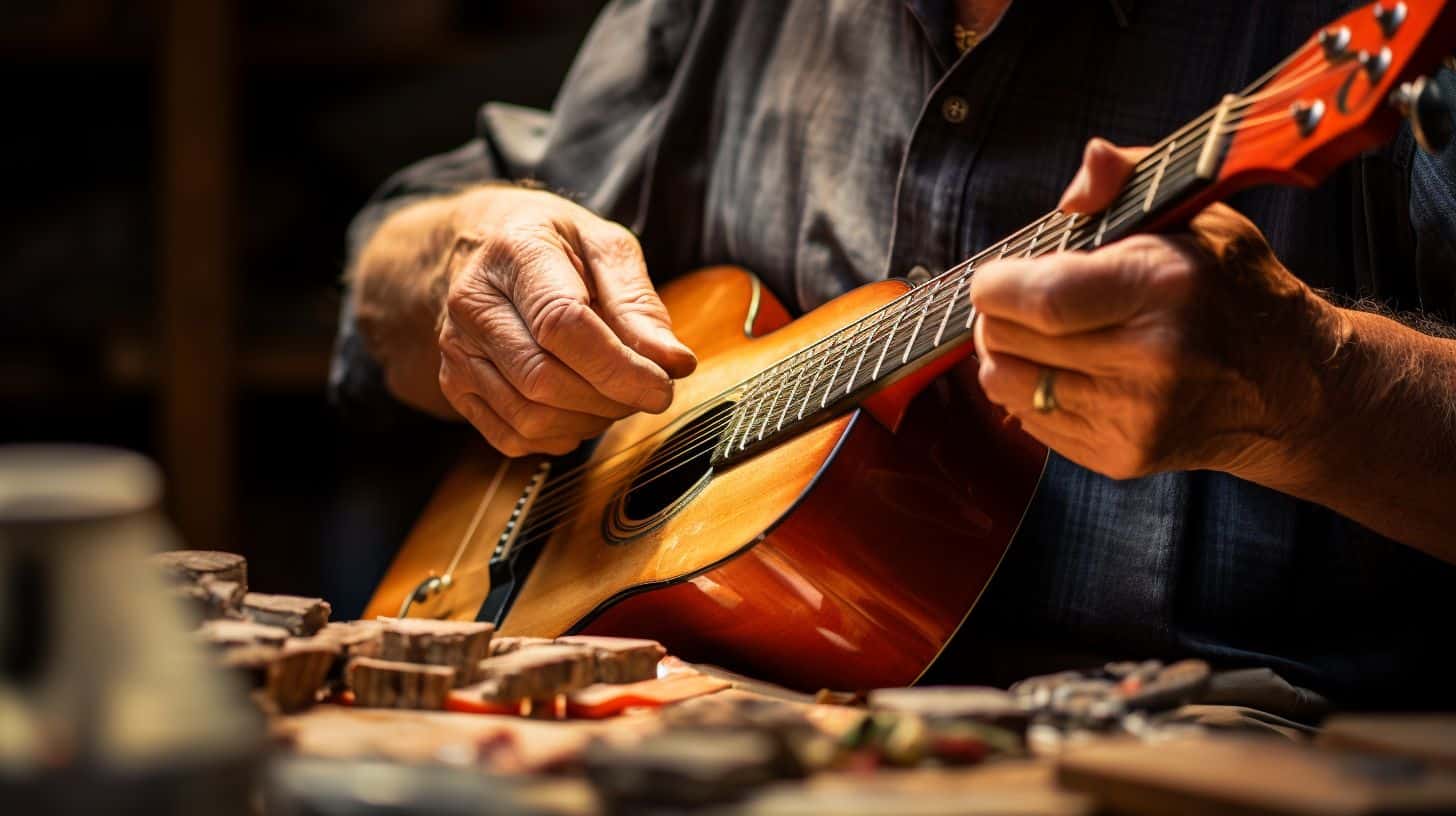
{"x": 180, "y": 174}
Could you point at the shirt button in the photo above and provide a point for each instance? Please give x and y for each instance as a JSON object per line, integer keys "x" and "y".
{"x": 917, "y": 275}
{"x": 955, "y": 109}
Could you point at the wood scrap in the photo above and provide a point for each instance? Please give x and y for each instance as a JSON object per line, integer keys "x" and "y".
{"x": 212, "y": 599}
{"x": 352, "y": 638}
{"x": 392, "y": 684}
{"x": 288, "y": 677}
{"x": 298, "y": 673}
{"x": 620, "y": 660}
{"x": 537, "y": 673}
{"x": 300, "y": 616}
{"x": 460, "y": 645}
{"x": 191, "y": 566}
{"x": 227, "y": 633}
{"x": 506, "y": 645}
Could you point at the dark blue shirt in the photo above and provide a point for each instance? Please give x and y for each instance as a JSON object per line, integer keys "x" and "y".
{"x": 828, "y": 144}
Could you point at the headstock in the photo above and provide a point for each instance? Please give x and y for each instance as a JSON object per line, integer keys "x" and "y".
{"x": 1343, "y": 92}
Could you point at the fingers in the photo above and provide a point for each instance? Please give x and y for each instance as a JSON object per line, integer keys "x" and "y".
{"x": 1103, "y": 351}
{"x": 532, "y": 420}
{"x": 1105, "y": 168}
{"x": 481, "y": 323}
{"x": 629, "y": 303}
{"x": 1011, "y": 382}
{"x": 1061, "y": 294}
{"x": 501, "y": 436}
{"x": 544, "y": 281}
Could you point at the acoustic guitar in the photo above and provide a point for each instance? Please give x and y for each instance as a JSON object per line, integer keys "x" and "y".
{"x": 814, "y": 508}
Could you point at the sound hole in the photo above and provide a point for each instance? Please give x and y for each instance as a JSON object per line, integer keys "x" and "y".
{"x": 671, "y": 475}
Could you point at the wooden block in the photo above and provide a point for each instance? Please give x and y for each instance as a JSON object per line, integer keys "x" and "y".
{"x": 1425, "y": 737}
{"x": 190, "y": 566}
{"x": 506, "y": 645}
{"x": 460, "y": 645}
{"x": 1224, "y": 774}
{"x": 232, "y": 633}
{"x": 297, "y": 674}
{"x": 620, "y": 660}
{"x": 353, "y": 638}
{"x": 211, "y": 599}
{"x": 392, "y": 684}
{"x": 300, "y": 616}
{"x": 537, "y": 673}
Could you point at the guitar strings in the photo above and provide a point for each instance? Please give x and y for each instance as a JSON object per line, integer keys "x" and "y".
{"x": 670, "y": 457}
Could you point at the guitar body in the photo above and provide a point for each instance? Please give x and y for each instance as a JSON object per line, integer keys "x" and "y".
{"x": 845, "y": 556}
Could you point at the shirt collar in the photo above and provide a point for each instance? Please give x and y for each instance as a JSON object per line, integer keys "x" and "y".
{"x": 936, "y": 18}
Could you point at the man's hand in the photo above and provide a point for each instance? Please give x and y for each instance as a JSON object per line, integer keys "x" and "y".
{"x": 1170, "y": 352}
{"x": 550, "y": 328}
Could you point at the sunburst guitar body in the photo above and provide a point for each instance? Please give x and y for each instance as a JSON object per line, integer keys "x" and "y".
{"x": 843, "y": 556}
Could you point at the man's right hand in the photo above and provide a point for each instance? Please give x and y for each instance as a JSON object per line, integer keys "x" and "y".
{"x": 550, "y": 328}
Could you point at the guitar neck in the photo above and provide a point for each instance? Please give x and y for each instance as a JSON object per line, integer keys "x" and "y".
{"x": 841, "y": 370}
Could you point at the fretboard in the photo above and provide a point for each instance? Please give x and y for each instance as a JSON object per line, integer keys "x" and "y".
{"x": 833, "y": 374}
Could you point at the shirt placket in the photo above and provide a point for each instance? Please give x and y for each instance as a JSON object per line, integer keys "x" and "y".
{"x": 930, "y": 229}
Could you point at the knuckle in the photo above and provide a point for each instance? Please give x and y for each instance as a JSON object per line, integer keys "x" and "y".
{"x": 552, "y": 320}
{"x": 537, "y": 382}
{"x": 1046, "y": 305}
{"x": 535, "y": 422}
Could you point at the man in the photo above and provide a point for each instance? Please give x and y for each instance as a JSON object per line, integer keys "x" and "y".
{"x": 1236, "y": 457}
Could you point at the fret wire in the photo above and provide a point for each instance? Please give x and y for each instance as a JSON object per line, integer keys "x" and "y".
{"x": 1162, "y": 166}
{"x": 809, "y": 392}
{"x": 925, "y": 311}
{"x": 1029, "y": 247}
{"x": 954, "y": 290}
{"x": 886, "y": 350}
{"x": 748, "y": 432}
{"x": 773, "y": 406}
{"x": 1067, "y": 232}
{"x": 828, "y": 389}
{"x": 849, "y": 386}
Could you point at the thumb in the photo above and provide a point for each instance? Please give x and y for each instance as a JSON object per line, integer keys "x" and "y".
{"x": 1105, "y": 167}
{"x": 630, "y": 305}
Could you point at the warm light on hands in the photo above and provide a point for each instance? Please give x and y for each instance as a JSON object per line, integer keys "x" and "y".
{"x": 1172, "y": 352}
{"x": 551, "y": 328}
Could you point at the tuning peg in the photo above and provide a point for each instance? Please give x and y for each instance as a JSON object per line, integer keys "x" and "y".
{"x": 1429, "y": 111}
{"x": 1335, "y": 42}
{"x": 1389, "y": 17}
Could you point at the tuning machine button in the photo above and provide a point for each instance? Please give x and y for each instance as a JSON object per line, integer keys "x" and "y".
{"x": 1389, "y": 17}
{"x": 1375, "y": 65}
{"x": 1335, "y": 42}
{"x": 1429, "y": 112}
{"x": 1307, "y": 115}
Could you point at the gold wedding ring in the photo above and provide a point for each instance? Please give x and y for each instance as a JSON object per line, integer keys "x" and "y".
{"x": 1043, "y": 399}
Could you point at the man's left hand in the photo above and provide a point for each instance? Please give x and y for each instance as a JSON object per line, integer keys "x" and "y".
{"x": 1181, "y": 351}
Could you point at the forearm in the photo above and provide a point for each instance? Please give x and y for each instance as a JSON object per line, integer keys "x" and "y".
{"x": 1380, "y": 445}
{"x": 398, "y": 284}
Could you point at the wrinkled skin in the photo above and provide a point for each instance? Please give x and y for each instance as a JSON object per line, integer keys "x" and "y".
{"x": 1182, "y": 351}
{"x": 550, "y": 328}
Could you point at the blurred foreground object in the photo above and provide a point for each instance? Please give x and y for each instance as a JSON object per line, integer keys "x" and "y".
{"x": 105, "y": 702}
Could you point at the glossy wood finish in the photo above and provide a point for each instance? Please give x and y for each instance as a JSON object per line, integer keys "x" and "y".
{"x": 844, "y": 557}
